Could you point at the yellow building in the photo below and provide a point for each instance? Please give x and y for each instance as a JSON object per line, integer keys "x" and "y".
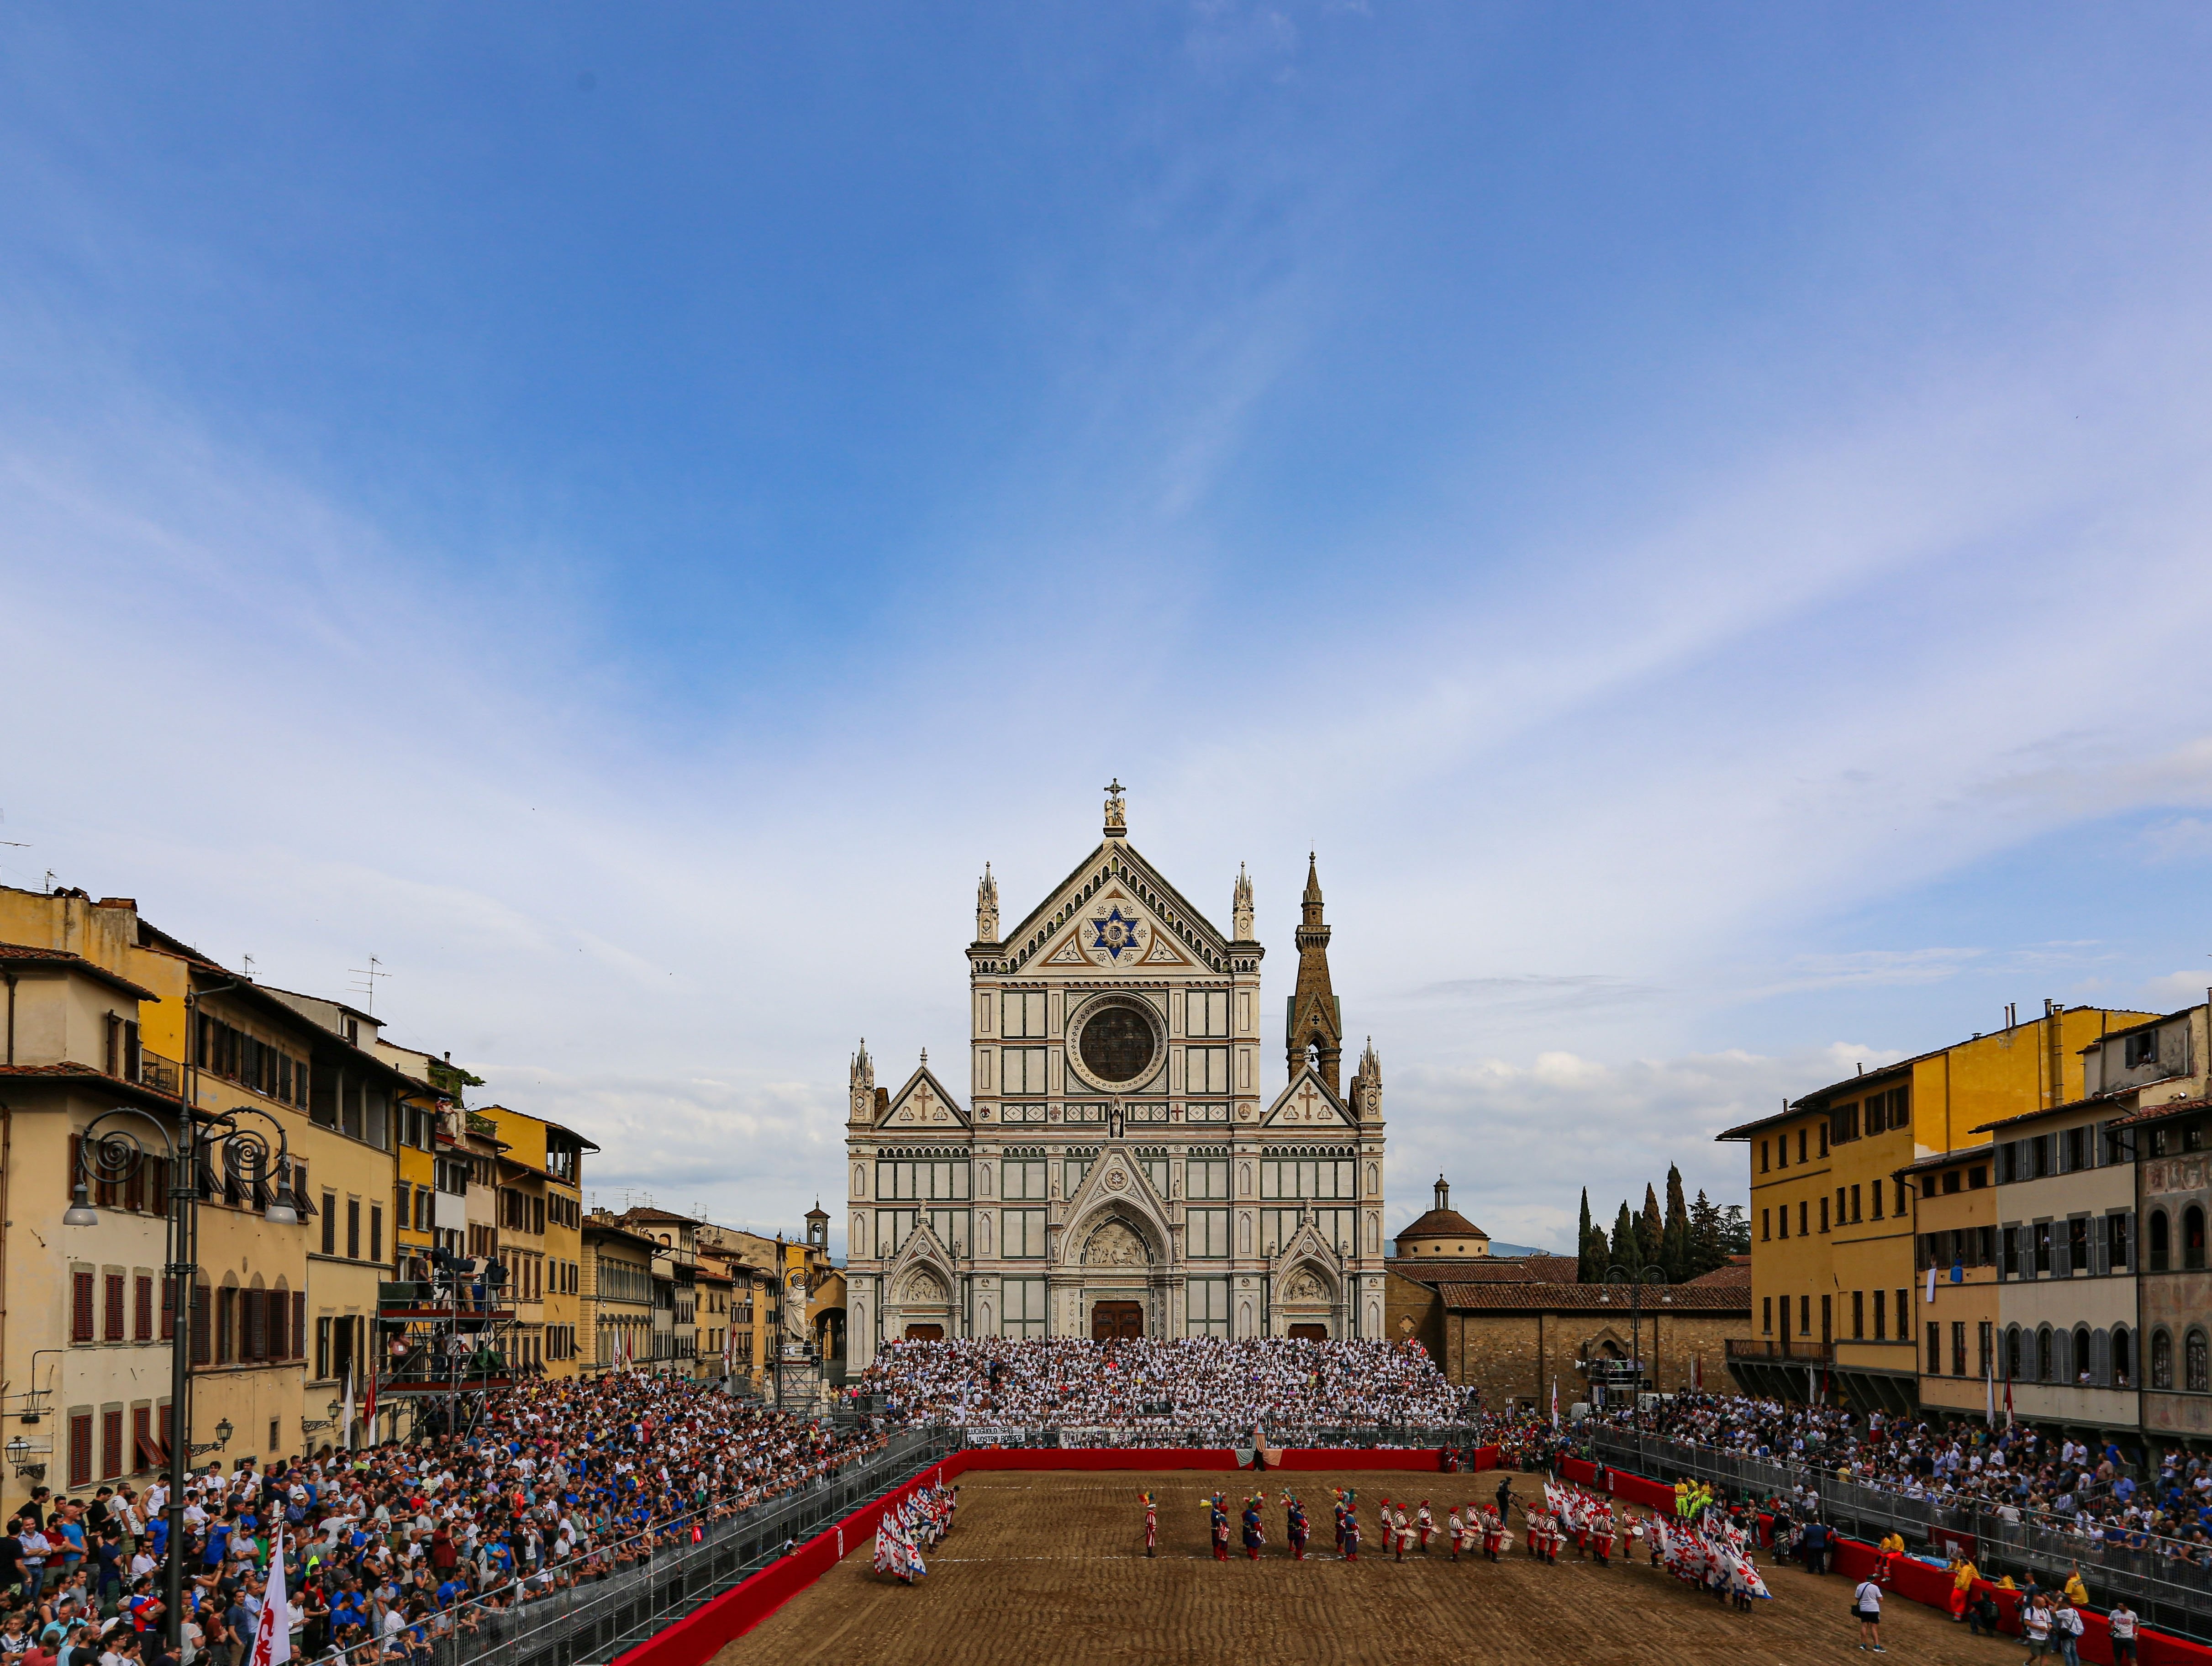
{"x": 615, "y": 1307}
{"x": 119, "y": 1012}
{"x": 1955, "y": 1214}
{"x": 540, "y": 1216}
{"x": 1832, "y": 1263}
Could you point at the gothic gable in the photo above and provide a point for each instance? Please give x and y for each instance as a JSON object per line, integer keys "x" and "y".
{"x": 1115, "y": 1187}
{"x": 1308, "y": 1248}
{"x": 923, "y": 1275}
{"x": 1307, "y": 1103}
{"x": 923, "y": 1103}
{"x": 1116, "y": 912}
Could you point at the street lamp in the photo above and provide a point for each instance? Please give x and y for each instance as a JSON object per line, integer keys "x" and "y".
{"x": 1634, "y": 1283}
{"x": 19, "y": 1454}
{"x": 108, "y": 1155}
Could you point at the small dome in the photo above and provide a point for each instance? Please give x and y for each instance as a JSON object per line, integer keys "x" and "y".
{"x": 1443, "y": 1222}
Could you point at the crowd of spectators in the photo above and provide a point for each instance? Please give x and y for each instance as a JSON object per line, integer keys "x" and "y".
{"x": 2018, "y": 1473}
{"x": 390, "y": 1549}
{"x": 1190, "y": 1384}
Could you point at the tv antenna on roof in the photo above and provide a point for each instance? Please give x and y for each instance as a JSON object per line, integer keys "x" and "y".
{"x": 366, "y": 988}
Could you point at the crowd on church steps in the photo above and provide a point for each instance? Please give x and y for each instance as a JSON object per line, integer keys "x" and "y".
{"x": 2065, "y": 1485}
{"x": 1187, "y": 1383}
{"x": 390, "y": 1549}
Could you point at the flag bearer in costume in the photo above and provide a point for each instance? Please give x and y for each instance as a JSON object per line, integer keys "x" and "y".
{"x": 1220, "y": 1528}
{"x": 1295, "y": 1528}
{"x": 1151, "y": 1523}
{"x": 1349, "y": 1537}
{"x": 1253, "y": 1537}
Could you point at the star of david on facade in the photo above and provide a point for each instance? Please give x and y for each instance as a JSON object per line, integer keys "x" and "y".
{"x": 1117, "y": 934}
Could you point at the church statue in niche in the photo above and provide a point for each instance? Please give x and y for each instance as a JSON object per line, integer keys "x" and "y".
{"x": 1114, "y": 1029}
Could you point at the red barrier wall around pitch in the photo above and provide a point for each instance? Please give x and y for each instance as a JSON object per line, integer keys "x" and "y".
{"x": 696, "y": 1638}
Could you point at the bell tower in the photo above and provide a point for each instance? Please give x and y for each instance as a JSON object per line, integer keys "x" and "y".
{"x": 1315, "y": 1029}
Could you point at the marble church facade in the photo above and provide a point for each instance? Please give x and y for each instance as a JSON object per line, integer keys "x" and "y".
{"x": 1115, "y": 1167}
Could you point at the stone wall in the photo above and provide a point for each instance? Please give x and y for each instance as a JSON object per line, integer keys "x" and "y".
{"x": 1514, "y": 1358}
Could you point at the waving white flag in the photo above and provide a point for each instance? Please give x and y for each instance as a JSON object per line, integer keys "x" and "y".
{"x": 272, "y": 1638}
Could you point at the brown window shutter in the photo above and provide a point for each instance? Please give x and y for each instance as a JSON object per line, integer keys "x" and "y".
{"x": 141, "y": 1329}
{"x": 81, "y": 1307}
{"x": 112, "y": 1329}
{"x": 80, "y": 1449}
{"x": 168, "y": 1309}
{"x": 299, "y": 1324}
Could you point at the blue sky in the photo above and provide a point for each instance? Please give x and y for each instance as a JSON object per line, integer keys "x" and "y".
{"x": 1698, "y": 513}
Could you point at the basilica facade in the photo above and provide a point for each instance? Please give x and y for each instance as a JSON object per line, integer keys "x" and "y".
{"x": 1113, "y": 1168}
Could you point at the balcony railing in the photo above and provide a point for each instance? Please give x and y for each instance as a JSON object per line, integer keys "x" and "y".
{"x": 162, "y": 1075}
{"x": 1801, "y": 1351}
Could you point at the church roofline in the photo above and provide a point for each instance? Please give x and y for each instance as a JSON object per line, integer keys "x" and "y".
{"x": 1010, "y": 944}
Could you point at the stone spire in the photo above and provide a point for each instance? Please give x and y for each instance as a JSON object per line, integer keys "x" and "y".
{"x": 1367, "y": 1087}
{"x": 987, "y": 908}
{"x": 1316, "y": 1030}
{"x": 863, "y": 1085}
{"x": 1240, "y": 904}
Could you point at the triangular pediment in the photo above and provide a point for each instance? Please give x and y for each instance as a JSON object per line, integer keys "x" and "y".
{"x": 924, "y": 1274}
{"x": 1116, "y": 912}
{"x": 923, "y": 1103}
{"x": 1309, "y": 1248}
{"x": 1116, "y": 1185}
{"x": 1308, "y": 1102}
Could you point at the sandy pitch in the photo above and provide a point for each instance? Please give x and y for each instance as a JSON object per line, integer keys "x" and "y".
{"x": 1049, "y": 1568}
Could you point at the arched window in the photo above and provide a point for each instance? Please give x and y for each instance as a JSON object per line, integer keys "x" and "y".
{"x": 2012, "y": 1353}
{"x": 2124, "y": 1360}
{"x": 2160, "y": 1247}
{"x": 2046, "y": 1355}
{"x": 2161, "y": 1359}
{"x": 2093, "y": 1355}
{"x": 2192, "y": 1239}
{"x": 2198, "y": 1363}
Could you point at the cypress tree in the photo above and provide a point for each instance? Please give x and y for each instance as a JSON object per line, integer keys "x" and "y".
{"x": 1582, "y": 1273}
{"x": 1627, "y": 1252}
{"x": 1677, "y": 1256}
{"x": 1651, "y": 1230}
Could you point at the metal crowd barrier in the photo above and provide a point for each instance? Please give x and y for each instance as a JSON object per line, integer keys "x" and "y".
{"x": 596, "y": 1620}
{"x": 2168, "y": 1592}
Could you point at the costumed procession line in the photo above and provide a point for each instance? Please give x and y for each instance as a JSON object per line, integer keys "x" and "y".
{"x": 1700, "y": 1548}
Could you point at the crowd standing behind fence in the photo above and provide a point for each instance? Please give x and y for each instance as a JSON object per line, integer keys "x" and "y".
{"x": 409, "y": 1553}
{"x": 1196, "y": 1384}
{"x": 2032, "y": 1511}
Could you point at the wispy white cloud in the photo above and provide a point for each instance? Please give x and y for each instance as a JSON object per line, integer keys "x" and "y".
{"x": 1587, "y": 770}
